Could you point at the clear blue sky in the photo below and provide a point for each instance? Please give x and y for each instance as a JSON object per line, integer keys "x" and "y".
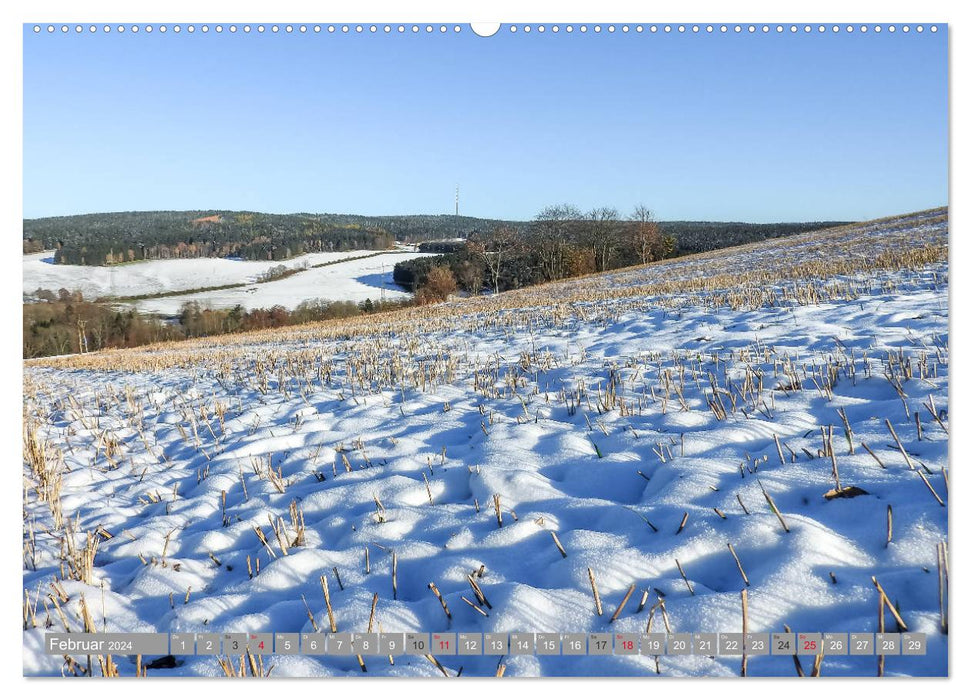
{"x": 764, "y": 127}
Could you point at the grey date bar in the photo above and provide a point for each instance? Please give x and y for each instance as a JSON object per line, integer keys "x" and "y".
{"x": 106, "y": 643}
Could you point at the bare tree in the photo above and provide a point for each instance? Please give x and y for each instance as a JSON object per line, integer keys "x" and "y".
{"x": 554, "y": 228}
{"x": 602, "y": 232}
{"x": 646, "y": 237}
{"x": 495, "y": 251}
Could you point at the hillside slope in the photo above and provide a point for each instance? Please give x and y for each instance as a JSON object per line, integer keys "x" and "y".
{"x": 649, "y": 418}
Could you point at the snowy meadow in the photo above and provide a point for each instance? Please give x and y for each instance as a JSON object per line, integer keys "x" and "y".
{"x": 353, "y": 275}
{"x": 626, "y": 452}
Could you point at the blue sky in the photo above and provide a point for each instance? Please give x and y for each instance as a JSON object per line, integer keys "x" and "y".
{"x": 763, "y": 127}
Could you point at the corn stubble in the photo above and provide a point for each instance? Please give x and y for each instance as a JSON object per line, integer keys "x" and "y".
{"x": 390, "y": 359}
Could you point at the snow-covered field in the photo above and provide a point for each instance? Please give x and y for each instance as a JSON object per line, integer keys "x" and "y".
{"x": 355, "y": 280}
{"x": 634, "y": 414}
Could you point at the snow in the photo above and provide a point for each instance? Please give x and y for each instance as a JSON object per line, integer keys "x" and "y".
{"x": 354, "y": 280}
{"x": 154, "y": 276}
{"x": 593, "y": 476}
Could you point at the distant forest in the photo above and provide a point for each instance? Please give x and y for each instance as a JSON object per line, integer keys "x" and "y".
{"x": 121, "y": 237}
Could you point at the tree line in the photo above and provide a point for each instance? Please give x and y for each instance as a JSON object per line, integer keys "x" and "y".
{"x": 563, "y": 241}
{"x": 65, "y": 323}
{"x": 118, "y": 237}
{"x": 111, "y": 239}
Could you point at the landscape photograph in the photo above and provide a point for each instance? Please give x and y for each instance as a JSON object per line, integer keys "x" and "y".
{"x": 450, "y": 350}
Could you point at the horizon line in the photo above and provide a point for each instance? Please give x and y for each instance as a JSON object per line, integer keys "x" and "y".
{"x": 449, "y": 214}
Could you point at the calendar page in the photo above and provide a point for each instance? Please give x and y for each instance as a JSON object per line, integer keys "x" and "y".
{"x": 516, "y": 349}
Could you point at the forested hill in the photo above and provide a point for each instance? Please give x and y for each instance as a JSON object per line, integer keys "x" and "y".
{"x": 113, "y": 238}
{"x": 104, "y": 239}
